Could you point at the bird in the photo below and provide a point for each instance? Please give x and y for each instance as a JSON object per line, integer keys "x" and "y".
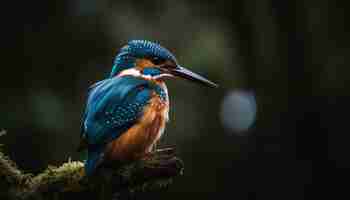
{"x": 125, "y": 114}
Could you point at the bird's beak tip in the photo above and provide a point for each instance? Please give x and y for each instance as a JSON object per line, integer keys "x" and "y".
{"x": 189, "y": 75}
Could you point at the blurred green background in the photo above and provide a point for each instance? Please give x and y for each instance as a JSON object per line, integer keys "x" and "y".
{"x": 290, "y": 57}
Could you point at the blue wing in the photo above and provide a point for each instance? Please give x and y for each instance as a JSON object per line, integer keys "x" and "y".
{"x": 113, "y": 106}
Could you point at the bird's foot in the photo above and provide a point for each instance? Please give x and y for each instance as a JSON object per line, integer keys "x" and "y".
{"x": 168, "y": 151}
{"x": 161, "y": 162}
{"x": 160, "y": 154}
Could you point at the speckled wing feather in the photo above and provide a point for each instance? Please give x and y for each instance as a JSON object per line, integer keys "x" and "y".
{"x": 113, "y": 106}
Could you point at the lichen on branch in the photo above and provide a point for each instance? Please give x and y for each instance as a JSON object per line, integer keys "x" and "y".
{"x": 69, "y": 179}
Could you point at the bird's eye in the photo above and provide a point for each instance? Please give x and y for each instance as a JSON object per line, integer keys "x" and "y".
{"x": 157, "y": 61}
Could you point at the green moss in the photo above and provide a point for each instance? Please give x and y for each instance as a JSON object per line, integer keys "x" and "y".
{"x": 57, "y": 182}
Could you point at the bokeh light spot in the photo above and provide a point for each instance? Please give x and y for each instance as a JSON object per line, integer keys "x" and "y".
{"x": 238, "y": 111}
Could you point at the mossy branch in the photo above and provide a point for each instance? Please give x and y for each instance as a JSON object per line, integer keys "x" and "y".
{"x": 69, "y": 180}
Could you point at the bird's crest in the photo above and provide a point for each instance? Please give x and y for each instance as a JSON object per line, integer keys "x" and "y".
{"x": 139, "y": 49}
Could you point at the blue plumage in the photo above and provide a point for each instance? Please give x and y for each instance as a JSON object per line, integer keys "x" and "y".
{"x": 151, "y": 72}
{"x": 139, "y": 49}
{"x": 113, "y": 106}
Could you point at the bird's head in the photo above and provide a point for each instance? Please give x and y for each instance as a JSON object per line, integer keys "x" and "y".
{"x": 149, "y": 60}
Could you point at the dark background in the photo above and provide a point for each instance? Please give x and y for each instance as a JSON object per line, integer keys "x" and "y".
{"x": 293, "y": 56}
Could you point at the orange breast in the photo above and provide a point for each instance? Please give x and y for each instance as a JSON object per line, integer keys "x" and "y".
{"x": 140, "y": 138}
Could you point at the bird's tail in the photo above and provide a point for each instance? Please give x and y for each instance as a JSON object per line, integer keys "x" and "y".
{"x": 94, "y": 160}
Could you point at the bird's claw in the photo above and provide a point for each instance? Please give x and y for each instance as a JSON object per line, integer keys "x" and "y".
{"x": 159, "y": 157}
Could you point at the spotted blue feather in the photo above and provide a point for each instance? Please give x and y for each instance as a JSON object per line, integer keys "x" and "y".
{"x": 138, "y": 49}
{"x": 113, "y": 106}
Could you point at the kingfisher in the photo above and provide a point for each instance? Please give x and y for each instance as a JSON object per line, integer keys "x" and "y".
{"x": 126, "y": 113}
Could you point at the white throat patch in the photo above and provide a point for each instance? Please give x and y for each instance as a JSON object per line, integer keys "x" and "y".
{"x": 137, "y": 73}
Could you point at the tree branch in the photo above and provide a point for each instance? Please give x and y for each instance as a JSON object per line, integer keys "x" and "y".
{"x": 113, "y": 181}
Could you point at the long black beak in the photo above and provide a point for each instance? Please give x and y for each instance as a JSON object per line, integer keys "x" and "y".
{"x": 187, "y": 74}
